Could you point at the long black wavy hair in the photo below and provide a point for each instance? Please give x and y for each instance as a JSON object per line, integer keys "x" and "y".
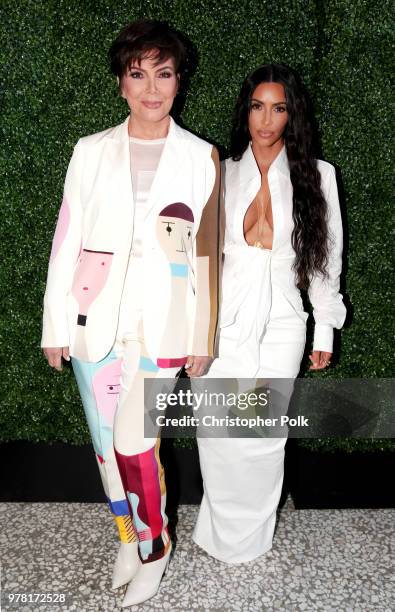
{"x": 310, "y": 234}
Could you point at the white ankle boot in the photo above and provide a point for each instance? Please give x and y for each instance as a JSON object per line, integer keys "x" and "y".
{"x": 126, "y": 565}
{"x": 146, "y": 582}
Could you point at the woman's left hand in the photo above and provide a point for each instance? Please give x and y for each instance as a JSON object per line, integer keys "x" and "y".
{"x": 320, "y": 360}
{"x": 197, "y": 366}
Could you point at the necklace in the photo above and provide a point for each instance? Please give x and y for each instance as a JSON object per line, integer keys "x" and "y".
{"x": 261, "y": 204}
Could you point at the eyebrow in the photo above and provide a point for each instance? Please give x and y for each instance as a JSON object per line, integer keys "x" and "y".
{"x": 261, "y": 102}
{"x": 136, "y": 67}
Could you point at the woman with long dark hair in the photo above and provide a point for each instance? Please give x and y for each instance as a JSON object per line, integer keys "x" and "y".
{"x": 283, "y": 234}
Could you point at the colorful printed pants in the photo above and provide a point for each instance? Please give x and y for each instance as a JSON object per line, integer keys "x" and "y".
{"x": 112, "y": 393}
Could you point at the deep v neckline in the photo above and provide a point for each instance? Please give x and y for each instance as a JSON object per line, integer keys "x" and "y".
{"x": 258, "y": 241}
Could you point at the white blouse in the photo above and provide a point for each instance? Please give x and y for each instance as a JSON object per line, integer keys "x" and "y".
{"x": 144, "y": 160}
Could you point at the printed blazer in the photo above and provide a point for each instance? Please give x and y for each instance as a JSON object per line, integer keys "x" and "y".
{"x": 242, "y": 181}
{"x": 92, "y": 246}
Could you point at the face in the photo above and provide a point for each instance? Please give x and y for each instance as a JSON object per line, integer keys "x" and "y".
{"x": 175, "y": 237}
{"x": 106, "y": 388}
{"x": 268, "y": 115}
{"x": 150, "y": 89}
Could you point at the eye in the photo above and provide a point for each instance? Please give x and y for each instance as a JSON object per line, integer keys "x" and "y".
{"x": 189, "y": 233}
{"x": 169, "y": 229}
{"x": 280, "y": 109}
{"x": 136, "y": 75}
{"x": 256, "y": 106}
{"x": 113, "y": 389}
{"x": 165, "y": 74}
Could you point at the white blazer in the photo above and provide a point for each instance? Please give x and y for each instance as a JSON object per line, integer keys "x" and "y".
{"x": 93, "y": 240}
{"x": 242, "y": 182}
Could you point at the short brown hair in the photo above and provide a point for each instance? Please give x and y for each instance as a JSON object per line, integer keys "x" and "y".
{"x": 139, "y": 39}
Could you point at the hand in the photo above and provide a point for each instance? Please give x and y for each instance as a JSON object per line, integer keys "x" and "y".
{"x": 197, "y": 366}
{"x": 54, "y": 356}
{"x": 320, "y": 360}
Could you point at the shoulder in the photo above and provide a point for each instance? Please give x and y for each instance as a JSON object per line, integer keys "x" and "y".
{"x": 96, "y": 138}
{"x": 328, "y": 176}
{"x": 195, "y": 143}
{"x": 329, "y": 184}
{"x": 231, "y": 165}
{"x": 230, "y": 169}
{"x": 117, "y": 133}
{"x": 326, "y": 170}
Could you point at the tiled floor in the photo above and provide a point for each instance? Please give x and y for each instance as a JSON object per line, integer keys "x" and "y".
{"x": 332, "y": 560}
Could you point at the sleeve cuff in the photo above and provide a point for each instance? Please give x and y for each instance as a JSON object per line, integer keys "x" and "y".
{"x": 323, "y": 338}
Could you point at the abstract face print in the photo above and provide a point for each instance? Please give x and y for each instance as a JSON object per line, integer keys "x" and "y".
{"x": 99, "y": 385}
{"x": 174, "y": 231}
{"x": 89, "y": 279}
{"x": 106, "y": 388}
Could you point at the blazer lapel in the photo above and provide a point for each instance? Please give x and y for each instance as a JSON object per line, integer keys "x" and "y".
{"x": 170, "y": 164}
{"x": 250, "y": 178}
{"x": 249, "y": 185}
{"x": 119, "y": 165}
{"x": 249, "y": 182}
{"x": 281, "y": 192}
{"x": 116, "y": 185}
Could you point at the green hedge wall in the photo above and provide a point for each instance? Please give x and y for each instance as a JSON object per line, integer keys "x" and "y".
{"x": 56, "y": 87}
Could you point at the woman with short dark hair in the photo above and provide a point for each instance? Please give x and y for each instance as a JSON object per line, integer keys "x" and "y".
{"x": 283, "y": 233}
{"x": 137, "y": 40}
{"x": 132, "y": 284}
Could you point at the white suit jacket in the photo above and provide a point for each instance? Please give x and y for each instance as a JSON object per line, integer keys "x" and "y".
{"x": 93, "y": 240}
{"x": 242, "y": 182}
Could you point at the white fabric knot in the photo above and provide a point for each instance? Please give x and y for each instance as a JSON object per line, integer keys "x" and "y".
{"x": 247, "y": 290}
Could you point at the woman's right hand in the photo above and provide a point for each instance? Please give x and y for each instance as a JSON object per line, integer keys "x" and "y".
{"x": 54, "y": 356}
